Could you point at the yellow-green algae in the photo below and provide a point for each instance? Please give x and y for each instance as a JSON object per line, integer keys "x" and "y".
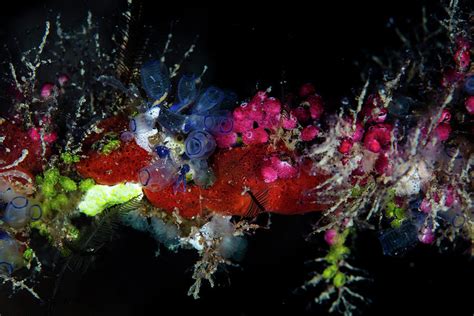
{"x": 99, "y": 197}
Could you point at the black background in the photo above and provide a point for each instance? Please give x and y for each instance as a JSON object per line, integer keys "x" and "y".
{"x": 248, "y": 47}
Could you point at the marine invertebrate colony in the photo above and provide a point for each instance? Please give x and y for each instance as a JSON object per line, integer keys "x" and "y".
{"x": 196, "y": 166}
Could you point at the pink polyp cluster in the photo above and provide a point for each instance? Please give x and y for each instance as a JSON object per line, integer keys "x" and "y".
{"x": 254, "y": 118}
{"x": 377, "y": 138}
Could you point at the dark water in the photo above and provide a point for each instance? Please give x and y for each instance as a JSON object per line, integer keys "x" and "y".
{"x": 245, "y": 47}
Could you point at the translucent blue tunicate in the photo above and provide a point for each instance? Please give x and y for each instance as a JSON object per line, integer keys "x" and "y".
{"x": 162, "y": 151}
{"x": 233, "y": 247}
{"x": 180, "y": 184}
{"x": 155, "y": 79}
{"x": 217, "y": 123}
{"x": 172, "y": 122}
{"x": 199, "y": 145}
{"x": 6, "y": 192}
{"x": 401, "y": 106}
{"x": 135, "y": 220}
{"x": 167, "y": 234}
{"x": 193, "y": 122}
{"x": 395, "y": 240}
{"x": 10, "y": 255}
{"x": 208, "y": 100}
{"x": 454, "y": 217}
{"x": 203, "y": 174}
{"x": 187, "y": 92}
{"x": 141, "y": 124}
{"x": 159, "y": 175}
{"x": 469, "y": 85}
{"x": 187, "y": 89}
{"x": 117, "y": 84}
{"x": 17, "y": 213}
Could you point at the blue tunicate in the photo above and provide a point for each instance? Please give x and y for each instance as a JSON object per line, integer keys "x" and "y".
{"x": 469, "y": 85}
{"x": 193, "y": 122}
{"x": 126, "y": 136}
{"x": 233, "y": 247}
{"x": 216, "y": 123}
{"x": 17, "y": 213}
{"x": 208, "y": 100}
{"x": 136, "y": 221}
{"x": 167, "y": 234}
{"x": 10, "y": 255}
{"x": 6, "y": 192}
{"x": 117, "y": 84}
{"x": 172, "y": 122}
{"x": 456, "y": 218}
{"x": 162, "y": 151}
{"x": 395, "y": 240}
{"x": 187, "y": 92}
{"x": 141, "y": 124}
{"x": 180, "y": 184}
{"x": 158, "y": 176}
{"x": 155, "y": 80}
{"x": 219, "y": 123}
{"x": 401, "y": 106}
{"x": 199, "y": 145}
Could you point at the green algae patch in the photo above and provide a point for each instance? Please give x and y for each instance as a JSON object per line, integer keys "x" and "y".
{"x": 99, "y": 197}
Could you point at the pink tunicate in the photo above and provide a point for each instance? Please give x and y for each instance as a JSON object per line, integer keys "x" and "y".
{"x": 382, "y": 164}
{"x": 239, "y": 113}
{"x": 306, "y": 90}
{"x": 425, "y": 206}
{"x": 302, "y": 114}
{"x": 270, "y": 120}
{"x": 442, "y": 131}
{"x": 379, "y": 115}
{"x": 289, "y": 122}
{"x": 345, "y": 146}
{"x": 445, "y": 116}
{"x": 269, "y": 174}
{"x": 373, "y": 145}
{"x": 470, "y": 105}
{"x": 255, "y": 113}
{"x": 261, "y": 136}
{"x": 255, "y": 136}
{"x": 378, "y": 137}
{"x": 284, "y": 169}
{"x": 427, "y": 236}
{"x": 226, "y": 140}
{"x": 450, "y": 77}
{"x": 34, "y": 134}
{"x": 260, "y": 97}
{"x": 309, "y": 133}
{"x": 330, "y": 236}
{"x": 50, "y": 137}
{"x": 63, "y": 79}
{"x": 243, "y": 125}
{"x": 316, "y": 108}
{"x": 47, "y": 90}
{"x": 450, "y": 197}
{"x": 462, "y": 58}
{"x": 272, "y": 105}
{"x": 358, "y": 133}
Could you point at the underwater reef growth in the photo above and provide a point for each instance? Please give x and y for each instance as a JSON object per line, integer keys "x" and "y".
{"x": 197, "y": 167}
